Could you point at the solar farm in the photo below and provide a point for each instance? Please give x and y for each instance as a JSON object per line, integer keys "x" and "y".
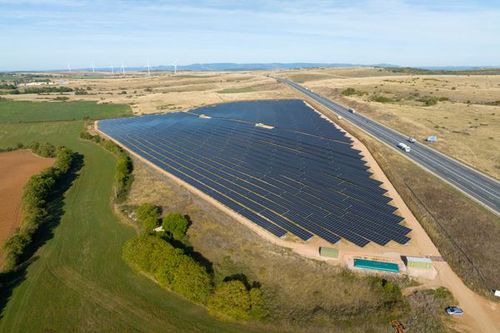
{"x": 277, "y": 163}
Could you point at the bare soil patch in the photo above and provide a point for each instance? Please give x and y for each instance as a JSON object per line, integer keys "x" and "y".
{"x": 16, "y": 168}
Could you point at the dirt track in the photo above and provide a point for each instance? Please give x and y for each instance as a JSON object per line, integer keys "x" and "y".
{"x": 15, "y": 169}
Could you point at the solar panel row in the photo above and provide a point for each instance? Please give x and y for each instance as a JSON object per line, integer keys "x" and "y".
{"x": 301, "y": 177}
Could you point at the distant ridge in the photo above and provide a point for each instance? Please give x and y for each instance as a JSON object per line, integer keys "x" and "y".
{"x": 228, "y": 66}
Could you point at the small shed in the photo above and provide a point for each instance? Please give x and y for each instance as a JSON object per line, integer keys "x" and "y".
{"x": 329, "y": 252}
{"x": 419, "y": 262}
{"x": 432, "y": 138}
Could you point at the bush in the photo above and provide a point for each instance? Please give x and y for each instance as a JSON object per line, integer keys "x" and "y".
{"x": 231, "y": 298}
{"x": 191, "y": 279}
{"x": 148, "y": 216}
{"x": 352, "y": 91}
{"x": 429, "y": 100}
{"x": 169, "y": 266}
{"x": 391, "y": 293}
{"x": 43, "y": 149}
{"x": 176, "y": 225}
{"x": 81, "y": 91}
{"x": 349, "y": 92}
{"x": 381, "y": 99}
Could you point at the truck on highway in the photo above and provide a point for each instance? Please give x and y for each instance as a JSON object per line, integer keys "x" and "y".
{"x": 404, "y": 147}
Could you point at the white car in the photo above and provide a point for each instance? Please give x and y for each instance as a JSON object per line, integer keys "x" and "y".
{"x": 404, "y": 147}
{"x": 351, "y": 110}
{"x": 412, "y": 139}
{"x": 454, "y": 311}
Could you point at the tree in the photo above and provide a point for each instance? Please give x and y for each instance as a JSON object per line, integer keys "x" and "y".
{"x": 175, "y": 224}
{"x": 231, "y": 298}
{"x": 148, "y": 215}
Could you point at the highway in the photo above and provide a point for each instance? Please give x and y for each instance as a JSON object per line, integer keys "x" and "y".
{"x": 476, "y": 185}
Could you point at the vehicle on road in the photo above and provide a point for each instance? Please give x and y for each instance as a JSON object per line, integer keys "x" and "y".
{"x": 454, "y": 311}
{"x": 351, "y": 110}
{"x": 412, "y": 139}
{"x": 404, "y": 147}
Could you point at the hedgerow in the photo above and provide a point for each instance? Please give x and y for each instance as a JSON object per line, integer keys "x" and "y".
{"x": 36, "y": 195}
{"x": 124, "y": 165}
{"x": 171, "y": 267}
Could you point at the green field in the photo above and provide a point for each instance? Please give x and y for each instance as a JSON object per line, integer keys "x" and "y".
{"x": 78, "y": 281}
{"x": 21, "y": 111}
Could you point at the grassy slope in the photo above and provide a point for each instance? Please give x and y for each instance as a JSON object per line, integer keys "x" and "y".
{"x": 15, "y": 112}
{"x": 79, "y": 282}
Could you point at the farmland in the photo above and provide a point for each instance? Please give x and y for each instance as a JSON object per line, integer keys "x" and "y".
{"x": 26, "y": 111}
{"x": 15, "y": 169}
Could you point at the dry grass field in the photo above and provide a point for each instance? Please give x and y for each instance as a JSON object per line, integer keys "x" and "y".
{"x": 163, "y": 92}
{"x": 16, "y": 167}
{"x": 462, "y": 110}
{"x": 302, "y": 294}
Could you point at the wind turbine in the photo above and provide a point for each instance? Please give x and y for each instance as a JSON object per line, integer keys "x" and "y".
{"x": 123, "y": 69}
{"x": 149, "y": 70}
{"x": 93, "y": 68}
{"x": 175, "y": 67}
{"x": 69, "y": 68}
{"x": 112, "y": 69}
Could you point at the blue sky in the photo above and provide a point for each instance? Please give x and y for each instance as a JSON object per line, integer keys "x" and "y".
{"x": 48, "y": 34}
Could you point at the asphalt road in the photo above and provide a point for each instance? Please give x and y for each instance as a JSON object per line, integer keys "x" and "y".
{"x": 475, "y": 184}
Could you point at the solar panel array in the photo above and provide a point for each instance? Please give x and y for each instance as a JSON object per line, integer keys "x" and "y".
{"x": 299, "y": 174}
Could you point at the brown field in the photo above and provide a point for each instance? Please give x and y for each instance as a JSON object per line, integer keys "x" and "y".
{"x": 163, "y": 92}
{"x": 466, "y": 118}
{"x": 16, "y": 168}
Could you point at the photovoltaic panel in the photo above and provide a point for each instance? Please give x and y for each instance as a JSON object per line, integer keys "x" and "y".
{"x": 299, "y": 174}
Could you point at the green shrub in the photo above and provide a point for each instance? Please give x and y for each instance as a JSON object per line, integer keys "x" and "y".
{"x": 390, "y": 291}
{"x": 191, "y": 279}
{"x": 148, "y": 215}
{"x": 43, "y": 149}
{"x": 235, "y": 299}
{"x": 429, "y": 100}
{"x": 257, "y": 310}
{"x": 81, "y": 91}
{"x": 231, "y": 298}
{"x": 381, "y": 99}
{"x": 169, "y": 266}
{"x": 349, "y": 92}
{"x": 176, "y": 225}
